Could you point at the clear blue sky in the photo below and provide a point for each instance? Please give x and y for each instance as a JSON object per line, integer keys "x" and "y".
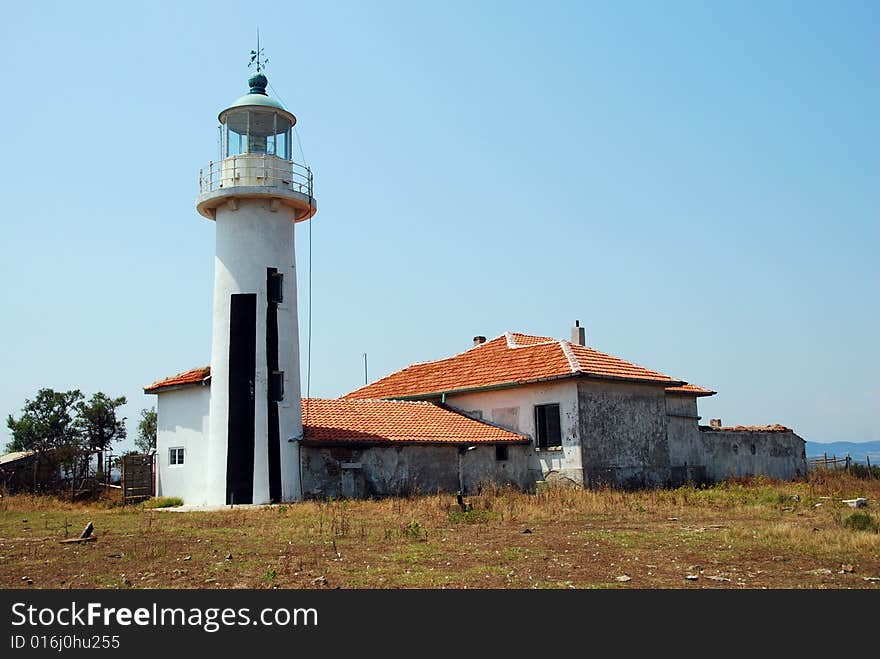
{"x": 697, "y": 182}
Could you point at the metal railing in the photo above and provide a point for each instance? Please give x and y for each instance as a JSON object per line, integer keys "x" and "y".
{"x": 258, "y": 170}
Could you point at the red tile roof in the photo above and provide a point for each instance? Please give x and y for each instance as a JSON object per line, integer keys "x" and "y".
{"x": 345, "y": 421}
{"x": 507, "y": 360}
{"x": 195, "y": 376}
{"x": 690, "y": 390}
{"x": 383, "y": 421}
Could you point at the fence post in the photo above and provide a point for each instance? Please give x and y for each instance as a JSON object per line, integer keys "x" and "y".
{"x": 847, "y": 462}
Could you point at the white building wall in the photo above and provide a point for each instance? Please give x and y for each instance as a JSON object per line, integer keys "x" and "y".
{"x": 514, "y": 409}
{"x": 182, "y": 419}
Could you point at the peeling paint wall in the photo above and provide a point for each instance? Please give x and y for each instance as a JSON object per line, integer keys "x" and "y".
{"x": 687, "y": 455}
{"x": 409, "y": 469}
{"x": 514, "y": 409}
{"x": 623, "y": 430}
{"x": 697, "y": 454}
{"x": 735, "y": 453}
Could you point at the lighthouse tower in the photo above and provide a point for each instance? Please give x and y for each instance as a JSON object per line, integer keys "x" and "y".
{"x": 255, "y": 194}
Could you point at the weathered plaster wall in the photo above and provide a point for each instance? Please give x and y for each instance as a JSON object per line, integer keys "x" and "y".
{"x": 686, "y": 448}
{"x": 698, "y": 454}
{"x": 182, "y": 421}
{"x": 734, "y": 453}
{"x": 623, "y": 429}
{"x": 514, "y": 409}
{"x": 408, "y": 469}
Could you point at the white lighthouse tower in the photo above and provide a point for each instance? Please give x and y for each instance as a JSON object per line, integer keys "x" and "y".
{"x": 255, "y": 195}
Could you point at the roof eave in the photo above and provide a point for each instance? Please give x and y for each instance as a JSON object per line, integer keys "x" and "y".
{"x": 620, "y": 378}
{"x": 161, "y": 389}
{"x": 333, "y": 443}
{"x": 508, "y": 385}
{"x": 695, "y": 394}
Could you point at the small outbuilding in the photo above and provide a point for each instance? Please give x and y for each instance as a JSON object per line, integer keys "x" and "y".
{"x": 368, "y": 448}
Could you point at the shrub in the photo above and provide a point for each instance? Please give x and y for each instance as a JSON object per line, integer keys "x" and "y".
{"x": 862, "y": 522}
{"x": 413, "y": 530}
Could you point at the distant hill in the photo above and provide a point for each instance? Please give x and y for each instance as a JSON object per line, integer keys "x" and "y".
{"x": 857, "y": 450}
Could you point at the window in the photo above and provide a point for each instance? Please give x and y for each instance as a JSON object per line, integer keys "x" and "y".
{"x": 500, "y": 452}
{"x": 547, "y": 427}
{"x": 175, "y": 456}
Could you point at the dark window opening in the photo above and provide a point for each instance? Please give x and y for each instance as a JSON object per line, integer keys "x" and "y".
{"x": 276, "y": 386}
{"x": 500, "y": 452}
{"x": 175, "y": 456}
{"x": 275, "y": 286}
{"x": 548, "y": 431}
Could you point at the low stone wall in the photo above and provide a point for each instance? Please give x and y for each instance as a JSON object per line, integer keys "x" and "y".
{"x": 728, "y": 452}
{"x": 377, "y": 471}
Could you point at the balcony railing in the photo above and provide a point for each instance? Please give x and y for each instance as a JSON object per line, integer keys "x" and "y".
{"x": 256, "y": 170}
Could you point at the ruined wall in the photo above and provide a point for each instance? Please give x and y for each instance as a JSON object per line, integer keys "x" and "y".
{"x": 623, "y": 431}
{"x": 514, "y": 409}
{"x": 408, "y": 469}
{"x": 735, "y": 453}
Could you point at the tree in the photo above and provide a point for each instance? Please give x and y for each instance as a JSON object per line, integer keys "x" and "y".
{"x": 99, "y": 423}
{"x": 146, "y": 439}
{"x": 48, "y": 426}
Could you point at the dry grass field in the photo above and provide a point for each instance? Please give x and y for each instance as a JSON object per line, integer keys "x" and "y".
{"x": 757, "y": 534}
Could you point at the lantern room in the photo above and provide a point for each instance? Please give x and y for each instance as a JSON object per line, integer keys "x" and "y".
{"x": 256, "y": 124}
{"x": 256, "y": 157}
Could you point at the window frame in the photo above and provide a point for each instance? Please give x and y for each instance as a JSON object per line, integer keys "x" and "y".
{"x": 172, "y": 452}
{"x": 542, "y": 441}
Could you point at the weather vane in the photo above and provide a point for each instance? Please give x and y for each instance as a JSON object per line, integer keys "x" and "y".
{"x": 257, "y": 56}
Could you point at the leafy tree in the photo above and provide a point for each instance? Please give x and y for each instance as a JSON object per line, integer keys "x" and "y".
{"x": 146, "y": 438}
{"x": 99, "y": 424}
{"x": 47, "y": 425}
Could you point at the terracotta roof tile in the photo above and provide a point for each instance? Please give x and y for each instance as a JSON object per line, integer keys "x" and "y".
{"x": 521, "y": 340}
{"x": 383, "y": 421}
{"x": 509, "y": 359}
{"x": 373, "y": 421}
{"x": 690, "y": 389}
{"x": 195, "y": 376}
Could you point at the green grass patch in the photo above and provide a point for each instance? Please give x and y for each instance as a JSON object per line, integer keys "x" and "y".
{"x": 163, "y": 502}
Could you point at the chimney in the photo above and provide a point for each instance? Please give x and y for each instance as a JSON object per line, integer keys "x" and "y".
{"x": 578, "y": 334}
{"x": 479, "y": 340}
{"x": 715, "y": 423}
